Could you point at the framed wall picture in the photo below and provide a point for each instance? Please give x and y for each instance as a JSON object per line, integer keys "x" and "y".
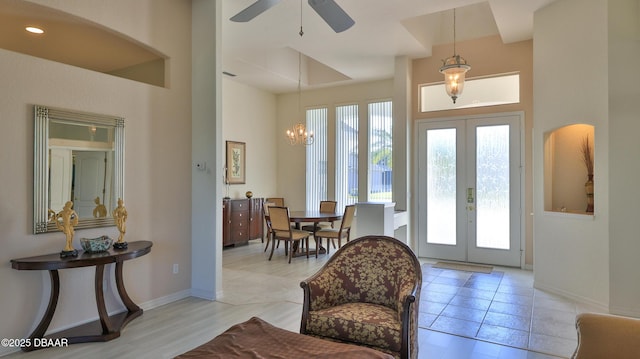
{"x": 236, "y": 155}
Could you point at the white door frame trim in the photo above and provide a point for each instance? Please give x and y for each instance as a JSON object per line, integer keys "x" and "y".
{"x": 416, "y": 193}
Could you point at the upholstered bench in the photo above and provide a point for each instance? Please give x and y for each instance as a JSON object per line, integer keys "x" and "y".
{"x": 256, "y": 338}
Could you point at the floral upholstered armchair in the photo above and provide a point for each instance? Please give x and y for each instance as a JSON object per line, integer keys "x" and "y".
{"x": 366, "y": 294}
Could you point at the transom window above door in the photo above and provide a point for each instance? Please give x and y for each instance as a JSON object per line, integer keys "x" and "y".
{"x": 478, "y": 92}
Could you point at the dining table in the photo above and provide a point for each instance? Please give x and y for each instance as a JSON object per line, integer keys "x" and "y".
{"x": 315, "y": 217}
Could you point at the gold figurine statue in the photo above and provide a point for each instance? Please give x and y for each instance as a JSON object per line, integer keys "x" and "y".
{"x": 65, "y": 220}
{"x": 120, "y": 216}
{"x": 100, "y": 210}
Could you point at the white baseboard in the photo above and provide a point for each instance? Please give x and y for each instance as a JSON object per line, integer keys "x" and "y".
{"x": 604, "y": 307}
{"x": 528, "y": 267}
{"x": 627, "y": 312}
{"x": 154, "y": 303}
{"x": 204, "y": 294}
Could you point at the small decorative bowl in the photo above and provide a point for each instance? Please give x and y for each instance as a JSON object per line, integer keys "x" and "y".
{"x": 96, "y": 245}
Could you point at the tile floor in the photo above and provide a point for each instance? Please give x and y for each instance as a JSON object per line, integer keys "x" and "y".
{"x": 497, "y": 315}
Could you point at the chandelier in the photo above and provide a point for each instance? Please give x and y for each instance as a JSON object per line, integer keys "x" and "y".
{"x": 298, "y": 134}
{"x": 454, "y": 69}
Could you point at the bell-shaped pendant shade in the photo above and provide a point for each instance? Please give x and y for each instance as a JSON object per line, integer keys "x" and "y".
{"x": 454, "y": 70}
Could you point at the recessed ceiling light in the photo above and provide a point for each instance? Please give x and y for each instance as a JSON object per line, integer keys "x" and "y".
{"x": 34, "y": 30}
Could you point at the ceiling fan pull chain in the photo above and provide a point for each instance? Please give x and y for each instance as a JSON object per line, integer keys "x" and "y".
{"x": 301, "y": 32}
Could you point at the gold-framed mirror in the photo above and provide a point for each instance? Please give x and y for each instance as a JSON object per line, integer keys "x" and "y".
{"x": 78, "y": 157}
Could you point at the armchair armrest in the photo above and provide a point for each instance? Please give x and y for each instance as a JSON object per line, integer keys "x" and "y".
{"x": 607, "y": 336}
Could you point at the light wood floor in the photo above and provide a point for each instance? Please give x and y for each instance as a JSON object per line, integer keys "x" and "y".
{"x": 254, "y": 286}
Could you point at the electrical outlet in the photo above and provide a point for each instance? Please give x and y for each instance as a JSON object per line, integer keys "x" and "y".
{"x": 176, "y": 268}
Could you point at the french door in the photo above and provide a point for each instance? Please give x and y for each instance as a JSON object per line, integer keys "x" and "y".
{"x": 470, "y": 189}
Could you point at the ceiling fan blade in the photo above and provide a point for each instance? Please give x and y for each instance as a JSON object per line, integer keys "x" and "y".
{"x": 332, "y": 14}
{"x": 254, "y": 10}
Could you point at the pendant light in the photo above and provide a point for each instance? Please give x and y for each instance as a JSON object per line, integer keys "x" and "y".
{"x": 454, "y": 69}
{"x": 298, "y": 134}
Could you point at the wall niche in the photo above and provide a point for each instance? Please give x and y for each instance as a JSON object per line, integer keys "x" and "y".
{"x": 565, "y": 169}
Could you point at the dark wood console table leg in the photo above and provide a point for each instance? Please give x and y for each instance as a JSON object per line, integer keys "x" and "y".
{"x": 102, "y": 308}
{"x": 133, "y": 310}
{"x": 48, "y": 314}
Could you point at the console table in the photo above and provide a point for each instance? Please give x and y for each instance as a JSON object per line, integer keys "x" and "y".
{"x": 107, "y": 327}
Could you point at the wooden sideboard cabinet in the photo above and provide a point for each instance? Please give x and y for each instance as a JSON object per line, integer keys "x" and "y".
{"x": 241, "y": 220}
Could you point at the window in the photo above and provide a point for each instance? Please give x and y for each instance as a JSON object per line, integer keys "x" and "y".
{"x": 487, "y": 91}
{"x": 346, "y": 155}
{"x": 316, "y": 158}
{"x": 380, "y": 151}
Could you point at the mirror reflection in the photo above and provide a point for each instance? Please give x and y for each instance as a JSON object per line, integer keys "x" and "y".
{"x": 78, "y": 158}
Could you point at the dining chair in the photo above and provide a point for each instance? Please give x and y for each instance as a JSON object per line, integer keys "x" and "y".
{"x": 282, "y": 231}
{"x": 325, "y": 207}
{"x": 267, "y": 220}
{"x": 343, "y": 232}
{"x": 277, "y": 201}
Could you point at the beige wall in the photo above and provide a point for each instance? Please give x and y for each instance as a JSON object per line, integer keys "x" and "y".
{"x": 572, "y": 251}
{"x": 249, "y": 115}
{"x": 489, "y": 56}
{"x": 157, "y": 166}
{"x": 624, "y": 151}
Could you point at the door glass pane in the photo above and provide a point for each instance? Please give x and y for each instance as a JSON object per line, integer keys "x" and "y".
{"x": 492, "y": 187}
{"x": 441, "y": 186}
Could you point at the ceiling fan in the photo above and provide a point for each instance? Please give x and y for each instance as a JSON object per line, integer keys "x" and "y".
{"x": 331, "y": 12}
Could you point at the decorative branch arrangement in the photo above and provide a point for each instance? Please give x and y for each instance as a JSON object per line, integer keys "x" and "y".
{"x": 587, "y": 155}
{"x": 586, "y": 148}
